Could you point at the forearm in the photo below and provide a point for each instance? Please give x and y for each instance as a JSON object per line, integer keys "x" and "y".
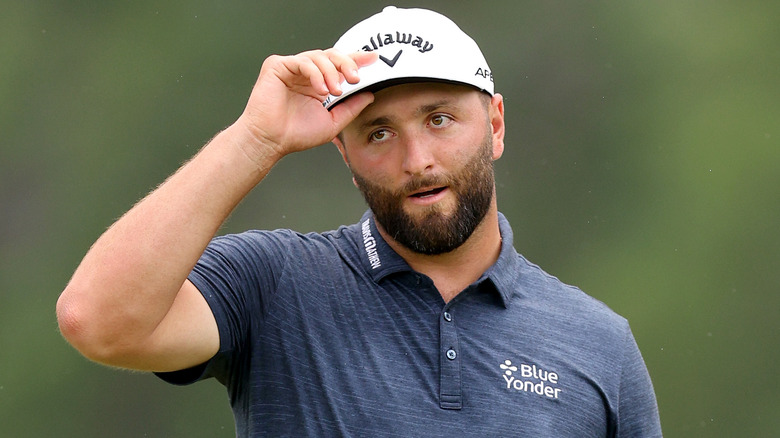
{"x": 128, "y": 280}
{"x": 128, "y": 303}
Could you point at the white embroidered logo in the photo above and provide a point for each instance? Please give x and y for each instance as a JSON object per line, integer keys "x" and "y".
{"x": 507, "y": 365}
{"x": 531, "y": 379}
{"x": 370, "y": 245}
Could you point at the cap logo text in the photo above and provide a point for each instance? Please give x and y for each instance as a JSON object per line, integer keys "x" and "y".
{"x": 398, "y": 38}
{"x": 485, "y": 73}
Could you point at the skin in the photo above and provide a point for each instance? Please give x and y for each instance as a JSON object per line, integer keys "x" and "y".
{"x": 129, "y": 303}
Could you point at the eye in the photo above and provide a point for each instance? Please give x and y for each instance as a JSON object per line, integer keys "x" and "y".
{"x": 380, "y": 135}
{"x": 440, "y": 120}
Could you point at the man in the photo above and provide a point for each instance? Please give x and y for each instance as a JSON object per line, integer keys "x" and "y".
{"x": 419, "y": 320}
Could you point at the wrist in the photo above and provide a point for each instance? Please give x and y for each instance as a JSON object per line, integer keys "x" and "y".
{"x": 262, "y": 153}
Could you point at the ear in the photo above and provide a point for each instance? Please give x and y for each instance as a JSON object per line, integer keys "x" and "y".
{"x": 496, "y": 114}
{"x": 340, "y": 145}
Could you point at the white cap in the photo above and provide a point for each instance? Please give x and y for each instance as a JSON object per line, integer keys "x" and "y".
{"x": 414, "y": 45}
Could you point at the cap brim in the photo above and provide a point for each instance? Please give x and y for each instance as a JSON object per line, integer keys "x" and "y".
{"x": 373, "y": 88}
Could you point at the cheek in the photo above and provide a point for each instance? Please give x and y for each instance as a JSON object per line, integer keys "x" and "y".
{"x": 378, "y": 167}
{"x": 456, "y": 158}
{"x": 372, "y": 170}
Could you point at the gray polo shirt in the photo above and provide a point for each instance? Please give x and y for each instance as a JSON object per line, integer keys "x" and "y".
{"x": 333, "y": 334}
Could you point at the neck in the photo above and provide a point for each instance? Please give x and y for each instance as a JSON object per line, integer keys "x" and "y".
{"x": 454, "y": 271}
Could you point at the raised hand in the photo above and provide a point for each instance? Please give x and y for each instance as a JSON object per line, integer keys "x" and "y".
{"x": 285, "y": 111}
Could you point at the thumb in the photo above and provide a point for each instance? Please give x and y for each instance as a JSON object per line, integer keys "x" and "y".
{"x": 346, "y": 111}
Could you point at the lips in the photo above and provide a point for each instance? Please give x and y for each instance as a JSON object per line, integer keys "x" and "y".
{"x": 427, "y": 192}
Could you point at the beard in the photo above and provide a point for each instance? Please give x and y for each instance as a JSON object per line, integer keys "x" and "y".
{"x": 434, "y": 232}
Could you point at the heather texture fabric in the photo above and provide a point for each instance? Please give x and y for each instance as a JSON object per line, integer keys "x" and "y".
{"x": 333, "y": 334}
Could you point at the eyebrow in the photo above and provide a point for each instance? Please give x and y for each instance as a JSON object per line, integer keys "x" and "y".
{"x": 379, "y": 121}
{"x": 431, "y": 107}
{"x": 421, "y": 110}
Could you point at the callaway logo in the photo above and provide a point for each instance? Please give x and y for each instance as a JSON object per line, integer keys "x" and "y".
{"x": 391, "y": 62}
{"x": 530, "y": 378}
{"x": 398, "y": 38}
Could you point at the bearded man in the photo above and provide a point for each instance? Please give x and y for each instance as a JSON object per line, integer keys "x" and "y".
{"x": 421, "y": 319}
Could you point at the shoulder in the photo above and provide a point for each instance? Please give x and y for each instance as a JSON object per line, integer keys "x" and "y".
{"x": 547, "y": 294}
{"x": 284, "y": 247}
{"x": 282, "y": 239}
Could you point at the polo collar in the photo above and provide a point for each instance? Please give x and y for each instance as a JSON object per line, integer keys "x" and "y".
{"x": 506, "y": 270}
{"x": 376, "y": 256}
{"x": 379, "y": 260}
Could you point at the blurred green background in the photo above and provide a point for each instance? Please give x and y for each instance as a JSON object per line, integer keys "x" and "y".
{"x": 641, "y": 165}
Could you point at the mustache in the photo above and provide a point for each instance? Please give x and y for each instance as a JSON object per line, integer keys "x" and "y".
{"x": 414, "y": 185}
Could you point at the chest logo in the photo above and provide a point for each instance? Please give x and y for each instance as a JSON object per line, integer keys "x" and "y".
{"x": 530, "y": 378}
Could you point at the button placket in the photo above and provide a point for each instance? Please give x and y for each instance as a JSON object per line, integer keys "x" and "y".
{"x": 450, "y": 396}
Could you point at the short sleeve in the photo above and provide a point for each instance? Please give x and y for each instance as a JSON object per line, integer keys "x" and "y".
{"x": 237, "y": 276}
{"x": 637, "y": 407}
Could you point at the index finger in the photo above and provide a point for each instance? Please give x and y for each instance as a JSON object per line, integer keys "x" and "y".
{"x": 349, "y": 64}
{"x": 361, "y": 59}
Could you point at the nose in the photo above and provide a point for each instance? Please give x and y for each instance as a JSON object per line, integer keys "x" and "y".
{"x": 418, "y": 158}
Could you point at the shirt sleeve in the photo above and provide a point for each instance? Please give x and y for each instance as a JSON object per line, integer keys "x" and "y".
{"x": 237, "y": 275}
{"x": 637, "y": 407}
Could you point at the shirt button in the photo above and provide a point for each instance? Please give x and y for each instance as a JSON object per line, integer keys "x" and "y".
{"x": 451, "y": 354}
{"x": 447, "y": 316}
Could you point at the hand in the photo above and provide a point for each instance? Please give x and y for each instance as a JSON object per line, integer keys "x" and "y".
{"x": 285, "y": 109}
